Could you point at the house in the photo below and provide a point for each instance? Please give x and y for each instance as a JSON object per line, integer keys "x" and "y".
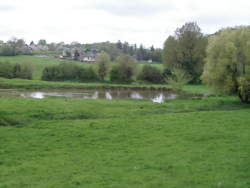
{"x": 89, "y": 57}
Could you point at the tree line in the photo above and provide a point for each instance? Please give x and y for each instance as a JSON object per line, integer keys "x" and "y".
{"x": 17, "y": 46}
{"x": 221, "y": 61}
{"x": 123, "y": 70}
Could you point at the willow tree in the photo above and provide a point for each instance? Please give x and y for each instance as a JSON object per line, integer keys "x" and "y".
{"x": 227, "y": 67}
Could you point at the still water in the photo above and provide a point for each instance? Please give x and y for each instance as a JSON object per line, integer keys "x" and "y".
{"x": 158, "y": 96}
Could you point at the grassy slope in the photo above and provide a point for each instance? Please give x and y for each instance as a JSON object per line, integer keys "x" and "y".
{"x": 38, "y": 63}
{"x": 124, "y": 143}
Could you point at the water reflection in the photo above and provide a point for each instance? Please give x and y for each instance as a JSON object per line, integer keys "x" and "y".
{"x": 159, "y": 98}
{"x": 153, "y": 95}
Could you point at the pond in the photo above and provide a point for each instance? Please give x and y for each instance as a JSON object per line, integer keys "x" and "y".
{"x": 154, "y": 95}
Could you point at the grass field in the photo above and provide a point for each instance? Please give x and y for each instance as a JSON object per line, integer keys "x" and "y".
{"x": 59, "y": 142}
{"x": 39, "y": 63}
{"x": 68, "y": 143}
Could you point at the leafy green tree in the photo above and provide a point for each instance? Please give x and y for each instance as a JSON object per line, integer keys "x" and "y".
{"x": 103, "y": 61}
{"x": 124, "y": 70}
{"x": 186, "y": 50}
{"x": 227, "y": 67}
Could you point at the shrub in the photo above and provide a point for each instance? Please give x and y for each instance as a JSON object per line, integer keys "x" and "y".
{"x": 151, "y": 74}
{"x": 68, "y": 72}
{"x": 61, "y": 72}
{"x": 50, "y": 73}
{"x": 167, "y": 73}
{"x": 124, "y": 70}
{"x": 23, "y": 70}
{"x": 6, "y": 70}
{"x": 87, "y": 74}
{"x": 178, "y": 79}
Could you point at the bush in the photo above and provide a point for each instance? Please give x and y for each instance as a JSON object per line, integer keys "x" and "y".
{"x": 68, "y": 72}
{"x": 124, "y": 70}
{"x": 6, "y": 70}
{"x": 61, "y": 72}
{"x": 50, "y": 73}
{"x": 167, "y": 73}
{"x": 23, "y": 70}
{"x": 178, "y": 79}
{"x": 151, "y": 74}
{"x": 87, "y": 74}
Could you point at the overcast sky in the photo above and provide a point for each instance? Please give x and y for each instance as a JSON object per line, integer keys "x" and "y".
{"x": 137, "y": 21}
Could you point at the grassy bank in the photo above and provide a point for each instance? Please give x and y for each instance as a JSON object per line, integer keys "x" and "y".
{"x": 59, "y": 142}
{"x": 38, "y": 84}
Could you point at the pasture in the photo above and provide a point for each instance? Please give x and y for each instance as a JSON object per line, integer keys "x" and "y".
{"x": 62, "y": 142}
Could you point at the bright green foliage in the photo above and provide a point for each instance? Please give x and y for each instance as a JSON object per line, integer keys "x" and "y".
{"x": 151, "y": 74}
{"x": 186, "y": 50}
{"x": 124, "y": 70}
{"x": 178, "y": 79}
{"x": 103, "y": 61}
{"x": 228, "y": 58}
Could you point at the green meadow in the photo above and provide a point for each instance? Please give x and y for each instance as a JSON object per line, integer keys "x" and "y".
{"x": 62, "y": 142}
{"x": 39, "y": 63}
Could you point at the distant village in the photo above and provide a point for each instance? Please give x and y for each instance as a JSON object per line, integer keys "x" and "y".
{"x": 77, "y": 51}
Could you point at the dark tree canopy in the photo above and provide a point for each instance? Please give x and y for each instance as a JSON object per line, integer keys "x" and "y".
{"x": 186, "y": 50}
